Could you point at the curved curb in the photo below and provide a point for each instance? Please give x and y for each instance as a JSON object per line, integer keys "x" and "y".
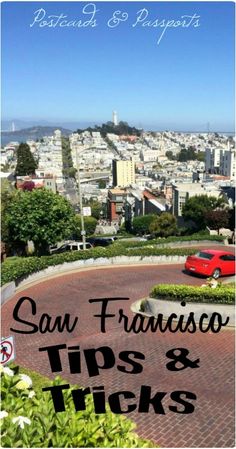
{"x": 168, "y": 307}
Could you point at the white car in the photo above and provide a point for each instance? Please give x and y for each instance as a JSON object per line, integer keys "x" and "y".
{"x": 69, "y": 246}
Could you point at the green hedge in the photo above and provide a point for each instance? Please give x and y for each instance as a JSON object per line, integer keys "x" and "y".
{"x": 16, "y": 268}
{"x": 219, "y": 295}
{"x": 145, "y": 252}
{"x": 188, "y": 238}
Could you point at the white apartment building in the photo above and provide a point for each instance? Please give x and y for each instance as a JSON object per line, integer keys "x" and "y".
{"x": 182, "y": 192}
{"x": 227, "y": 164}
{"x": 148, "y": 155}
{"x": 212, "y": 159}
{"x": 142, "y": 181}
{"x": 221, "y": 161}
{"x": 50, "y": 157}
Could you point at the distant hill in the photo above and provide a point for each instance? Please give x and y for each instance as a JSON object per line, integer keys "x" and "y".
{"x": 123, "y": 128}
{"x": 33, "y": 133}
{"x": 23, "y": 124}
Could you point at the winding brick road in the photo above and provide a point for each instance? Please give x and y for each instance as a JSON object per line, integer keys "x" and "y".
{"x": 211, "y": 424}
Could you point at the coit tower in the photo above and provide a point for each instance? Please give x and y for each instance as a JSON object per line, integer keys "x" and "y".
{"x": 114, "y": 118}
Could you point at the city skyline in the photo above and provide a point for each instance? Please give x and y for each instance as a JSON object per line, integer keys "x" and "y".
{"x": 185, "y": 82}
{"x": 19, "y": 125}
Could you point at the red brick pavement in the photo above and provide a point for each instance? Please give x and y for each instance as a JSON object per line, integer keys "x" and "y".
{"x": 211, "y": 424}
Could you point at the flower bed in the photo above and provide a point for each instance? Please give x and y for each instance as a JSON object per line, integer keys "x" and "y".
{"x": 28, "y": 419}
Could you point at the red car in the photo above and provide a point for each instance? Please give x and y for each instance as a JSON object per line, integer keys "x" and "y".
{"x": 211, "y": 263}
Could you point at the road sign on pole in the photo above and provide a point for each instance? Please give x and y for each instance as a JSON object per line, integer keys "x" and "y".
{"x": 7, "y": 350}
{"x": 87, "y": 211}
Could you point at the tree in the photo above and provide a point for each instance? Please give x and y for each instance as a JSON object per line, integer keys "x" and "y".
{"x": 141, "y": 224}
{"x": 102, "y": 184}
{"x": 170, "y": 155}
{"x": 5, "y": 168}
{"x": 96, "y": 209}
{"x": 26, "y": 164}
{"x": 217, "y": 219}
{"x": 7, "y": 195}
{"x": 40, "y": 216}
{"x": 28, "y": 185}
{"x": 68, "y": 168}
{"x": 201, "y": 156}
{"x": 71, "y": 172}
{"x": 90, "y": 224}
{"x": 164, "y": 225}
{"x": 232, "y": 219}
{"x": 187, "y": 154}
{"x": 196, "y": 207}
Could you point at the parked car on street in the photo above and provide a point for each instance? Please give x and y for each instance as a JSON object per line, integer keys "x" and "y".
{"x": 101, "y": 241}
{"x": 69, "y": 246}
{"x": 211, "y": 263}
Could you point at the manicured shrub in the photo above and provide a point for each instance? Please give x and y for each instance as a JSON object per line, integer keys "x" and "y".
{"x": 141, "y": 224}
{"x": 162, "y": 241}
{"x": 219, "y": 295}
{"x": 28, "y": 419}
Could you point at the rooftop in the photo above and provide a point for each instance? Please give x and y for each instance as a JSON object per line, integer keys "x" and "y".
{"x": 114, "y": 191}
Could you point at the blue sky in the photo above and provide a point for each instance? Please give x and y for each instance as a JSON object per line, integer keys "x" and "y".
{"x": 82, "y": 74}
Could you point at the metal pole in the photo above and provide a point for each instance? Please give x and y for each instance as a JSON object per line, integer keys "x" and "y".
{"x": 80, "y": 201}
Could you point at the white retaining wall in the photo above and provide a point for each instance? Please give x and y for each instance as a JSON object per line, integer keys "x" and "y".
{"x": 7, "y": 291}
